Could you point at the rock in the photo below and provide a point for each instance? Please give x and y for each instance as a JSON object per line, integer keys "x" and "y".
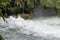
{"x": 26, "y": 16}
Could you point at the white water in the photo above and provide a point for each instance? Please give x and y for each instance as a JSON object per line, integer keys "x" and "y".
{"x": 46, "y": 27}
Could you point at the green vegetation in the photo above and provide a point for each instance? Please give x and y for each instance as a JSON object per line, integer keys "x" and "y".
{"x": 30, "y": 3}
{"x": 59, "y": 12}
{"x": 1, "y": 3}
{"x": 19, "y": 6}
{"x": 16, "y": 6}
{"x": 48, "y": 3}
{"x": 1, "y": 38}
{"x": 52, "y": 4}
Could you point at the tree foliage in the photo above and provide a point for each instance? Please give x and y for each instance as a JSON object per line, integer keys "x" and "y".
{"x": 2, "y": 3}
{"x": 51, "y": 3}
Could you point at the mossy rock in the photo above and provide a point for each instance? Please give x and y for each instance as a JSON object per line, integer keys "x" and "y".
{"x": 26, "y": 16}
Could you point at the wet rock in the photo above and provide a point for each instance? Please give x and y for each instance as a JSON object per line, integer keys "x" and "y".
{"x": 26, "y": 16}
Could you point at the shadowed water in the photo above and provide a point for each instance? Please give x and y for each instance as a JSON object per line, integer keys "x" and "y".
{"x": 42, "y": 11}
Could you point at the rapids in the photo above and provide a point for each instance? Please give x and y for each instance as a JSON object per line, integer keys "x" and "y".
{"x": 42, "y": 28}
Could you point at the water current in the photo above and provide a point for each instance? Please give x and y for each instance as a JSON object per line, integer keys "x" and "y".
{"x": 42, "y": 28}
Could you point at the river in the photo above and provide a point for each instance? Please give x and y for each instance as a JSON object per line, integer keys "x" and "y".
{"x": 42, "y": 28}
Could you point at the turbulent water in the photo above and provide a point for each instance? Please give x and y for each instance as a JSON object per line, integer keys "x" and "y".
{"x": 42, "y": 28}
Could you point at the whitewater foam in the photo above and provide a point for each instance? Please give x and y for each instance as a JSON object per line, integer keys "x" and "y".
{"x": 31, "y": 27}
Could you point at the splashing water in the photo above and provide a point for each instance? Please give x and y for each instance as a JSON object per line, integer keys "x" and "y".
{"x": 45, "y": 27}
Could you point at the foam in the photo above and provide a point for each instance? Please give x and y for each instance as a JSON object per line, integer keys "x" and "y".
{"x": 31, "y": 27}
